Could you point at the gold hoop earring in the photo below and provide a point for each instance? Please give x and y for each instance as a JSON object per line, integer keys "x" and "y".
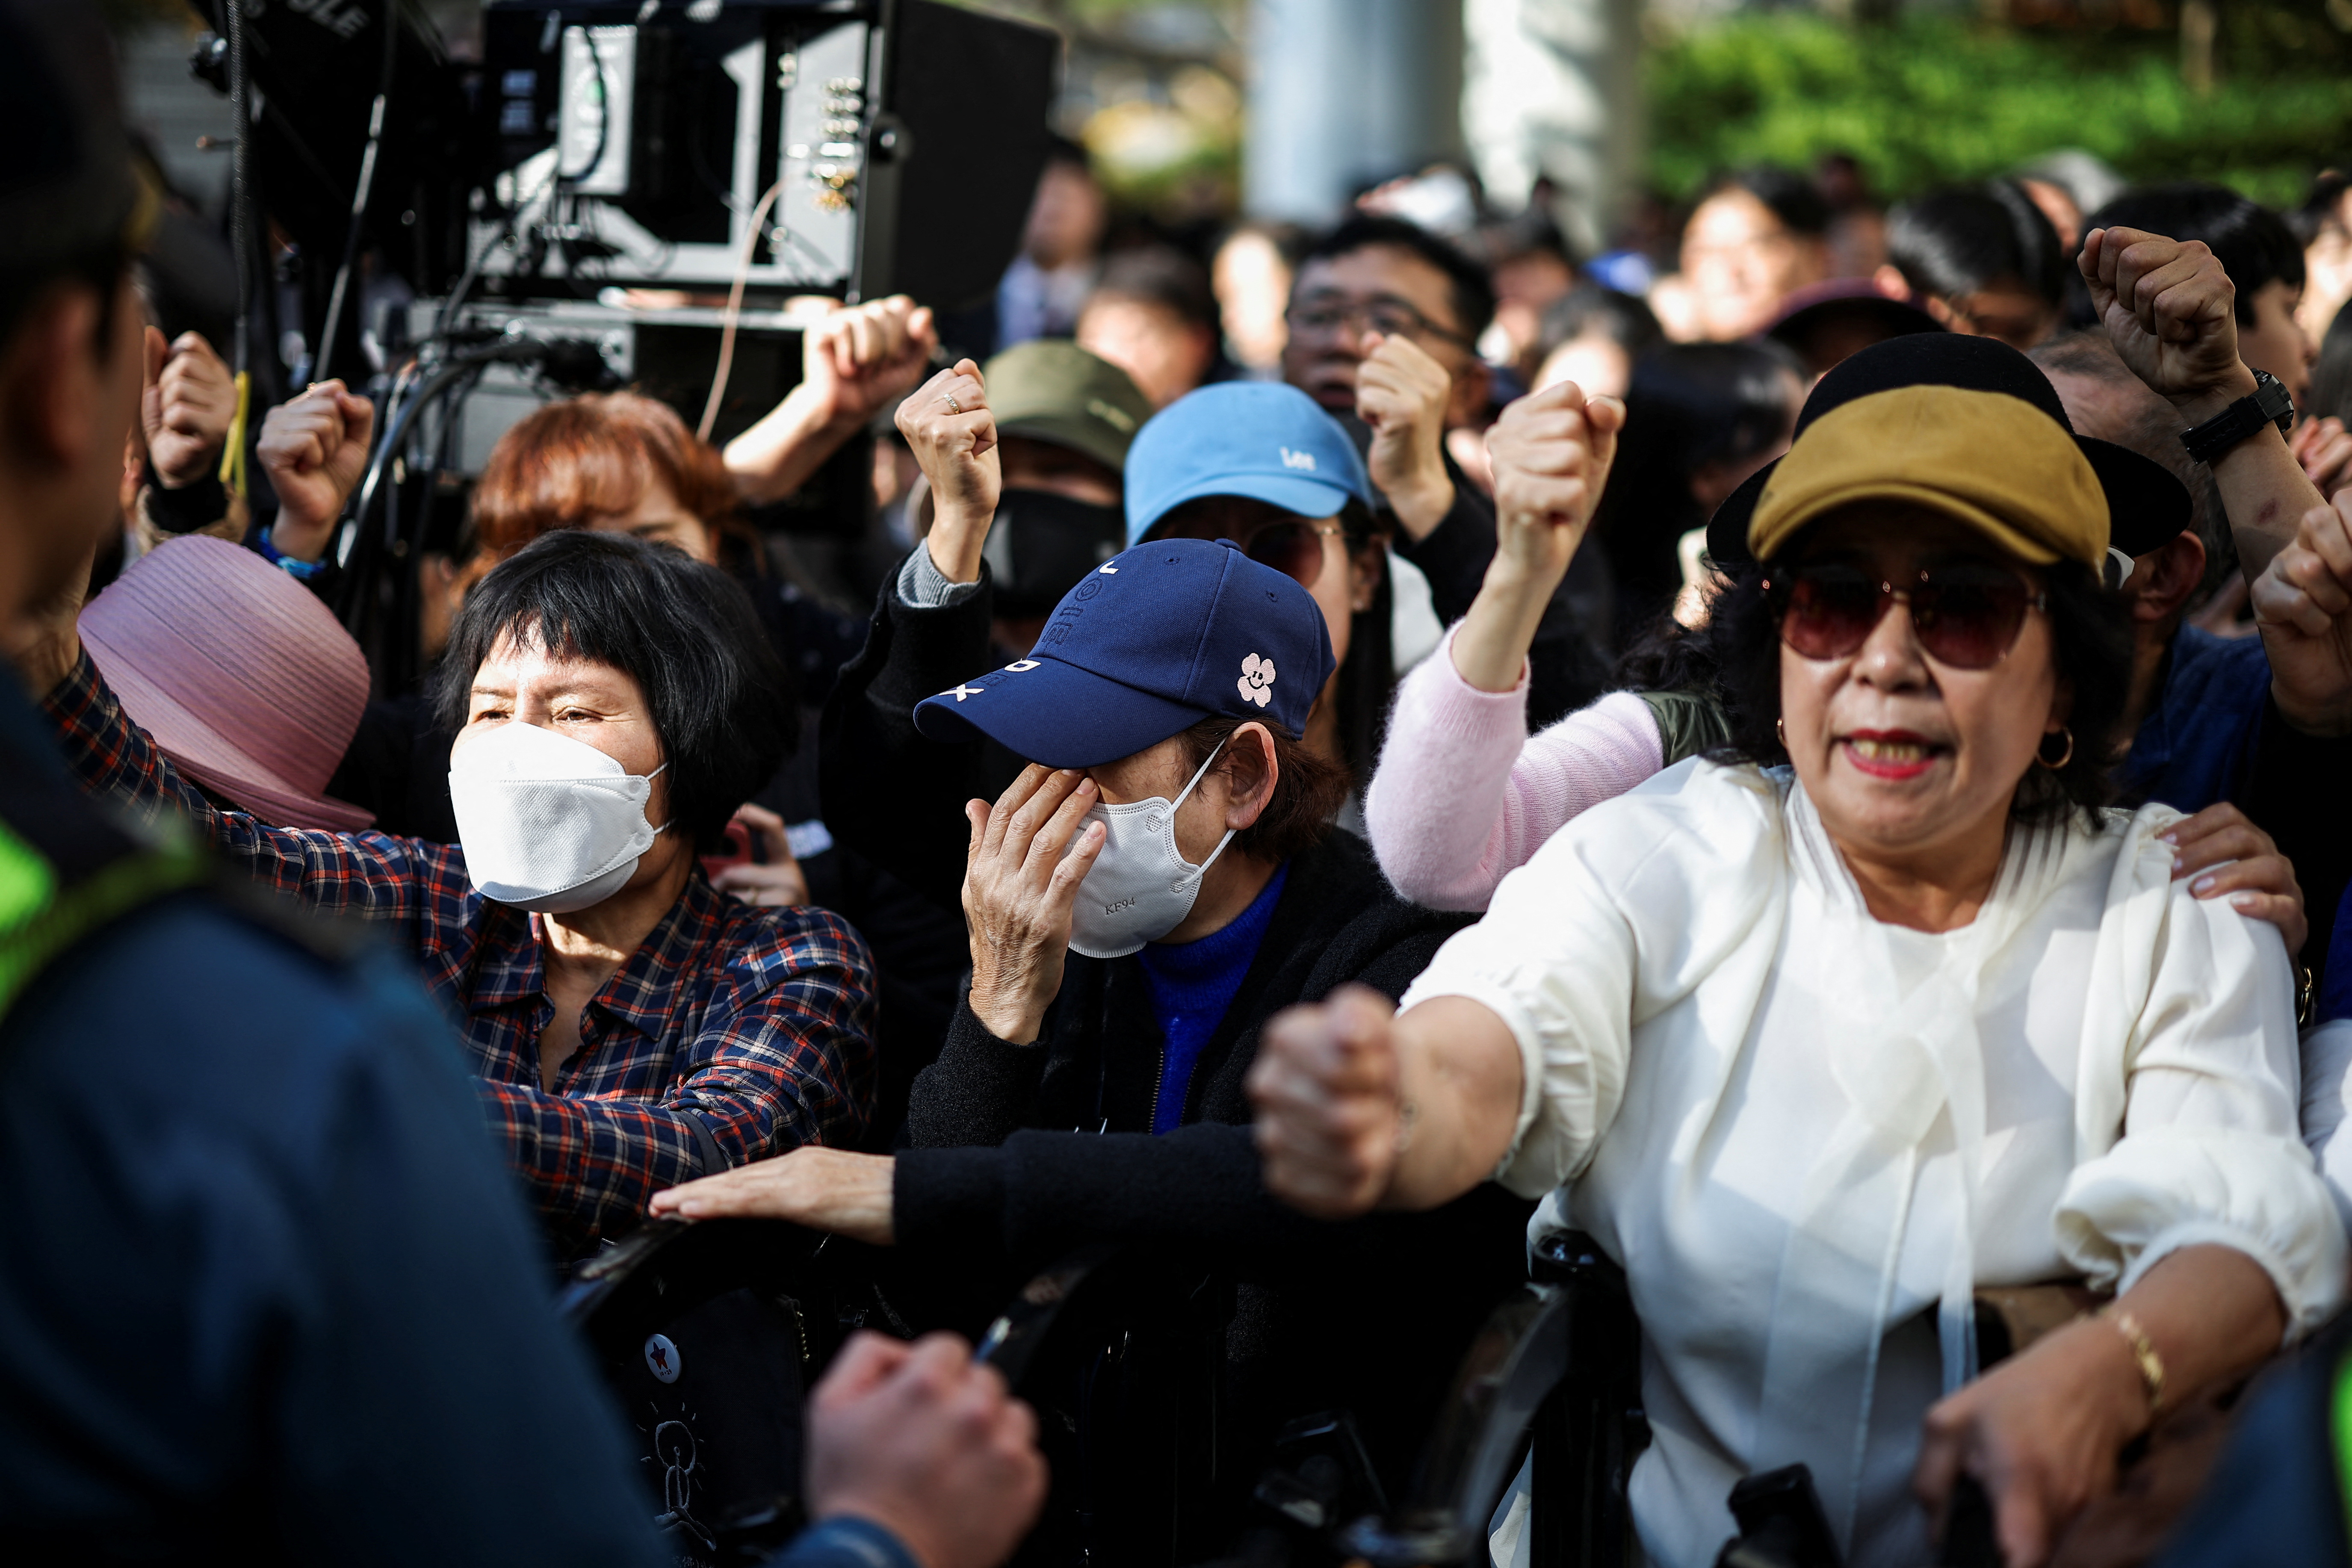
{"x": 2064, "y": 757}
{"x": 1781, "y": 728}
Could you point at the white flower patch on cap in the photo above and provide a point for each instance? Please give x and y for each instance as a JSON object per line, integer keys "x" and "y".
{"x": 1256, "y": 683}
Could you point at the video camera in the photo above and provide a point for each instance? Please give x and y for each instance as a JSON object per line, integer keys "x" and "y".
{"x": 573, "y": 209}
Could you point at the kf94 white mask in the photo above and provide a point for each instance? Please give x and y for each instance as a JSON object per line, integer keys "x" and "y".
{"x": 548, "y": 822}
{"x": 1139, "y": 887}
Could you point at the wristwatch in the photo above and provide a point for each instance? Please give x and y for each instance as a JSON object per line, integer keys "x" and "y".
{"x": 2268, "y": 404}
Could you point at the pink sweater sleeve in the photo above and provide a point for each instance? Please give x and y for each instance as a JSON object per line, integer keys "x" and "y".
{"x": 1462, "y": 794}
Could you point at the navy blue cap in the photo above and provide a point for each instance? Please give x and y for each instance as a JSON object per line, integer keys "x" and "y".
{"x": 1256, "y": 438}
{"x": 1149, "y": 644}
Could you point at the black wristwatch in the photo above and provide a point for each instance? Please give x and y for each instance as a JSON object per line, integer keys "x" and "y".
{"x": 2269, "y": 404}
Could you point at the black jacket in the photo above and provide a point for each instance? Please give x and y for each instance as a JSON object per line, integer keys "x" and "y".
{"x": 895, "y": 797}
{"x": 1022, "y": 1152}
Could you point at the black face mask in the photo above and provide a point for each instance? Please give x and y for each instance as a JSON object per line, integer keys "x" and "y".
{"x": 1042, "y": 543}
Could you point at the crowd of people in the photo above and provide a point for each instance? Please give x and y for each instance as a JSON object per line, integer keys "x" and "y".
{"x": 1804, "y": 753}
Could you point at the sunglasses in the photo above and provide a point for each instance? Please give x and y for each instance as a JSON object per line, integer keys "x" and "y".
{"x": 1292, "y": 547}
{"x": 1967, "y": 614}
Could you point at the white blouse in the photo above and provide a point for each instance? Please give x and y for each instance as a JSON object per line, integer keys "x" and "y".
{"x": 1808, "y": 1136}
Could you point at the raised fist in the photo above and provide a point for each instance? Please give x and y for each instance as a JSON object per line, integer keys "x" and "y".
{"x": 186, "y": 408}
{"x": 1551, "y": 452}
{"x": 952, "y": 433}
{"x": 2170, "y": 310}
{"x": 314, "y": 448}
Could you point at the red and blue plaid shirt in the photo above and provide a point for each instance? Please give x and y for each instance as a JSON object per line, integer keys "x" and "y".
{"x": 755, "y": 1022}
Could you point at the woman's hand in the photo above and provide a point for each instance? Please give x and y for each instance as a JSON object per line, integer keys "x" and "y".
{"x": 824, "y": 1189}
{"x": 1331, "y": 1118}
{"x": 2041, "y": 1433}
{"x": 1018, "y": 891}
{"x": 952, "y": 432}
{"x": 2257, "y": 880}
{"x": 778, "y": 879}
{"x": 853, "y": 362}
{"x": 314, "y": 447}
{"x": 186, "y": 407}
{"x": 1551, "y": 452}
{"x": 928, "y": 1443}
{"x": 863, "y": 356}
{"x": 2044, "y": 1431}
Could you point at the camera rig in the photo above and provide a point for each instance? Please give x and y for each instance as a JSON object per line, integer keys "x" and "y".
{"x": 610, "y": 189}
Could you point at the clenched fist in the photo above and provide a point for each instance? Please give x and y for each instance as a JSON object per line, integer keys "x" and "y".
{"x": 186, "y": 407}
{"x": 1332, "y": 1119}
{"x": 2170, "y": 311}
{"x": 952, "y": 433}
{"x": 1401, "y": 393}
{"x": 1551, "y": 452}
{"x": 926, "y": 1442}
{"x": 314, "y": 447}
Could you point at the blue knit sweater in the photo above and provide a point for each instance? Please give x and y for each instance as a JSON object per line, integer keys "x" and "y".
{"x": 1191, "y": 985}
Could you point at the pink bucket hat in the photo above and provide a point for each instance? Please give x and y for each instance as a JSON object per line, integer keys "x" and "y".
{"x": 237, "y": 673}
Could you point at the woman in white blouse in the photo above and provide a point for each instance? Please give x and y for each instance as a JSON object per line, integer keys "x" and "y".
{"x": 1815, "y": 1050}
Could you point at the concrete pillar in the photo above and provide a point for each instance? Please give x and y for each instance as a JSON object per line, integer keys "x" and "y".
{"x": 1345, "y": 91}
{"x": 1553, "y": 87}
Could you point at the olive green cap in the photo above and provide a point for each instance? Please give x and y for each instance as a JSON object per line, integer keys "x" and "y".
{"x": 1049, "y": 389}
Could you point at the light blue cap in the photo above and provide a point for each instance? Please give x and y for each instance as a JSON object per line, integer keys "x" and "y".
{"x": 1255, "y": 438}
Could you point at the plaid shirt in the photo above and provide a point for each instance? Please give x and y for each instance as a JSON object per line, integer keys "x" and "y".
{"x": 756, "y": 1023}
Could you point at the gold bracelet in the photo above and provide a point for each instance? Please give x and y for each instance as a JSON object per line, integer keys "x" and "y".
{"x": 2143, "y": 1350}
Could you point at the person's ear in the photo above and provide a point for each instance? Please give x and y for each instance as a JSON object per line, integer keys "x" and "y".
{"x": 2162, "y": 580}
{"x": 52, "y": 380}
{"x": 1250, "y": 774}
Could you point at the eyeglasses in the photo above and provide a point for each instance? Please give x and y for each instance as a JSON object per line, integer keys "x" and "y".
{"x": 1967, "y": 614}
{"x": 1387, "y": 315}
{"x": 1292, "y": 546}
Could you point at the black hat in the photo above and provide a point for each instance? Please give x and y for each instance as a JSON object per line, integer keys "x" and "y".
{"x": 1827, "y": 324}
{"x": 2146, "y": 506}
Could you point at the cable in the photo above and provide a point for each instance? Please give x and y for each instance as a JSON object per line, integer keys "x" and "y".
{"x": 734, "y": 314}
{"x": 473, "y": 271}
{"x": 359, "y": 198}
{"x": 240, "y": 229}
{"x": 604, "y": 113}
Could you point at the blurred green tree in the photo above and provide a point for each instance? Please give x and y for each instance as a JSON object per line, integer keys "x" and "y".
{"x": 1924, "y": 97}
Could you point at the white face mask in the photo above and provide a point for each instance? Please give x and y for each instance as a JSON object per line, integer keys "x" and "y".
{"x": 548, "y": 822}
{"x": 1141, "y": 887}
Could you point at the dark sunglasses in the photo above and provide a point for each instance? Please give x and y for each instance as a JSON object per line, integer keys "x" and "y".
{"x": 1967, "y": 614}
{"x": 1292, "y": 547}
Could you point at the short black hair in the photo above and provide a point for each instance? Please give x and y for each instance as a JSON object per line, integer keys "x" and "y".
{"x": 686, "y": 632}
{"x": 1624, "y": 320}
{"x": 1163, "y": 275}
{"x": 2090, "y": 648}
{"x": 2322, "y": 208}
{"x": 1795, "y": 200}
{"x": 1962, "y": 240}
{"x": 1474, "y": 295}
{"x": 2252, "y": 243}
